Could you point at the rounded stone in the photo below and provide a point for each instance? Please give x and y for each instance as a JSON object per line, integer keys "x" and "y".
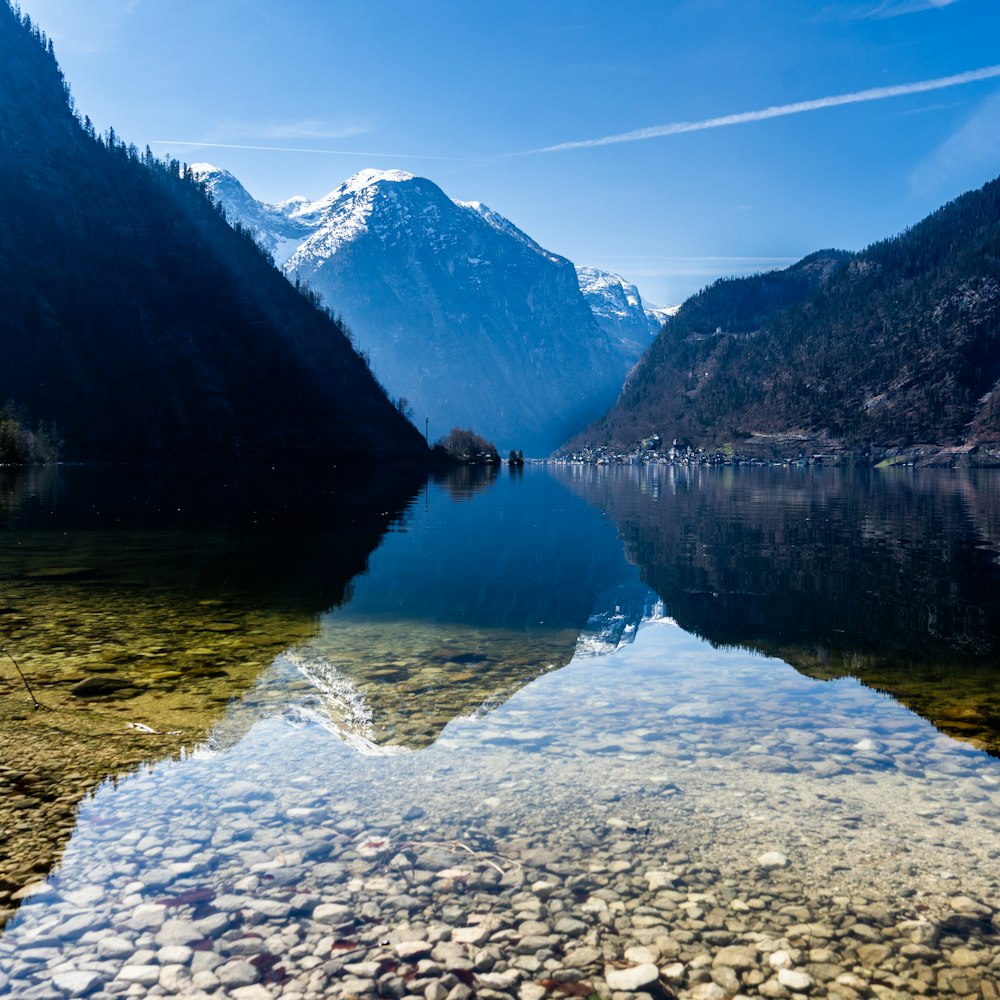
{"x": 148, "y": 915}
{"x": 632, "y": 979}
{"x": 175, "y": 979}
{"x": 966, "y": 958}
{"x": 144, "y": 975}
{"x": 871, "y": 956}
{"x": 332, "y": 913}
{"x": 779, "y": 960}
{"x": 639, "y": 954}
{"x": 793, "y": 979}
{"x": 115, "y": 947}
{"x": 410, "y": 951}
{"x": 772, "y": 859}
{"x": 255, "y": 992}
{"x": 708, "y": 991}
{"x": 237, "y": 973}
{"x": 736, "y": 956}
{"x": 476, "y": 934}
{"x": 76, "y": 983}
{"x": 177, "y": 932}
{"x": 587, "y": 955}
{"x": 174, "y": 954}
{"x": 726, "y": 977}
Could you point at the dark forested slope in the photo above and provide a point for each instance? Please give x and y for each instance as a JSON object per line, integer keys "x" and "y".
{"x": 893, "y": 347}
{"x": 137, "y": 320}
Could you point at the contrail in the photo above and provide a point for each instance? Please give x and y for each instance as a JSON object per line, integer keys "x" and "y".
{"x": 779, "y": 111}
{"x": 300, "y": 149}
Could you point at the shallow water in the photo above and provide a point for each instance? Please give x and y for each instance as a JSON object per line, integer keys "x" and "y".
{"x": 496, "y": 761}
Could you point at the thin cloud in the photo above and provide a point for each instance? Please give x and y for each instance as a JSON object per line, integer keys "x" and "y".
{"x": 882, "y": 10}
{"x": 927, "y": 109}
{"x": 714, "y": 260}
{"x": 672, "y": 279}
{"x": 650, "y": 266}
{"x": 897, "y": 8}
{"x": 968, "y": 156}
{"x": 300, "y": 149}
{"x": 782, "y": 110}
{"x": 310, "y": 128}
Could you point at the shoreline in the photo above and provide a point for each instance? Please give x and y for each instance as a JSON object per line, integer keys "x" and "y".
{"x": 797, "y": 451}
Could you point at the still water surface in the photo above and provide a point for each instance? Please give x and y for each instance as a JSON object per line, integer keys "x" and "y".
{"x": 486, "y": 734}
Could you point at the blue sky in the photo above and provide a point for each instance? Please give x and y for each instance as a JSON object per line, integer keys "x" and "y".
{"x": 474, "y": 95}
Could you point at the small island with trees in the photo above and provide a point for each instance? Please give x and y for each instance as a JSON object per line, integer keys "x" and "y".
{"x": 465, "y": 447}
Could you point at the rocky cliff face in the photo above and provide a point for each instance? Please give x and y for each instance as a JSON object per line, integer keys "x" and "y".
{"x": 619, "y": 309}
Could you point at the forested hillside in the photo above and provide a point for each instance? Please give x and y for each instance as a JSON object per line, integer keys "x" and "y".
{"x": 894, "y": 347}
{"x": 136, "y": 320}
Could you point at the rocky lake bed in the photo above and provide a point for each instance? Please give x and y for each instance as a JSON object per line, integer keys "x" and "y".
{"x": 682, "y": 735}
{"x": 670, "y": 820}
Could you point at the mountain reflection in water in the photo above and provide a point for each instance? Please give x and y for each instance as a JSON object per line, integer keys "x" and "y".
{"x": 483, "y": 592}
{"x": 154, "y": 610}
{"x": 383, "y": 605}
{"x": 139, "y": 602}
{"x": 887, "y": 576}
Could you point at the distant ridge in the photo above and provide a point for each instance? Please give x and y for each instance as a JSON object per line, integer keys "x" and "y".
{"x": 137, "y": 320}
{"x": 894, "y": 350}
{"x": 463, "y": 314}
{"x": 619, "y": 309}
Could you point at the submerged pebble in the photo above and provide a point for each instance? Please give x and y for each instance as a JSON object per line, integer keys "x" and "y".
{"x": 523, "y": 857}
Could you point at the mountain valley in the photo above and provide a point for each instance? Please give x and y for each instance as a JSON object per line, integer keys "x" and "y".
{"x": 463, "y": 315}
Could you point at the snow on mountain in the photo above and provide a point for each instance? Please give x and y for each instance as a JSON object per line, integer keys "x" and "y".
{"x": 658, "y": 315}
{"x": 275, "y": 227}
{"x": 461, "y": 313}
{"x": 619, "y": 309}
{"x": 610, "y": 294}
{"x": 505, "y": 226}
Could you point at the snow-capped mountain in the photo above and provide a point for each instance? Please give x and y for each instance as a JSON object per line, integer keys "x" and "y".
{"x": 619, "y": 309}
{"x": 272, "y": 226}
{"x": 461, "y": 313}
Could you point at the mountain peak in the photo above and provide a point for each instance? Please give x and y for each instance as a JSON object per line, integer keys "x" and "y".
{"x": 358, "y": 187}
{"x": 203, "y": 170}
{"x": 370, "y": 177}
{"x": 618, "y": 307}
{"x": 464, "y": 316}
{"x": 218, "y": 180}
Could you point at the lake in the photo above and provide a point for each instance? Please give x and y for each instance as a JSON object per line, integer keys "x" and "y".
{"x": 559, "y": 732}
